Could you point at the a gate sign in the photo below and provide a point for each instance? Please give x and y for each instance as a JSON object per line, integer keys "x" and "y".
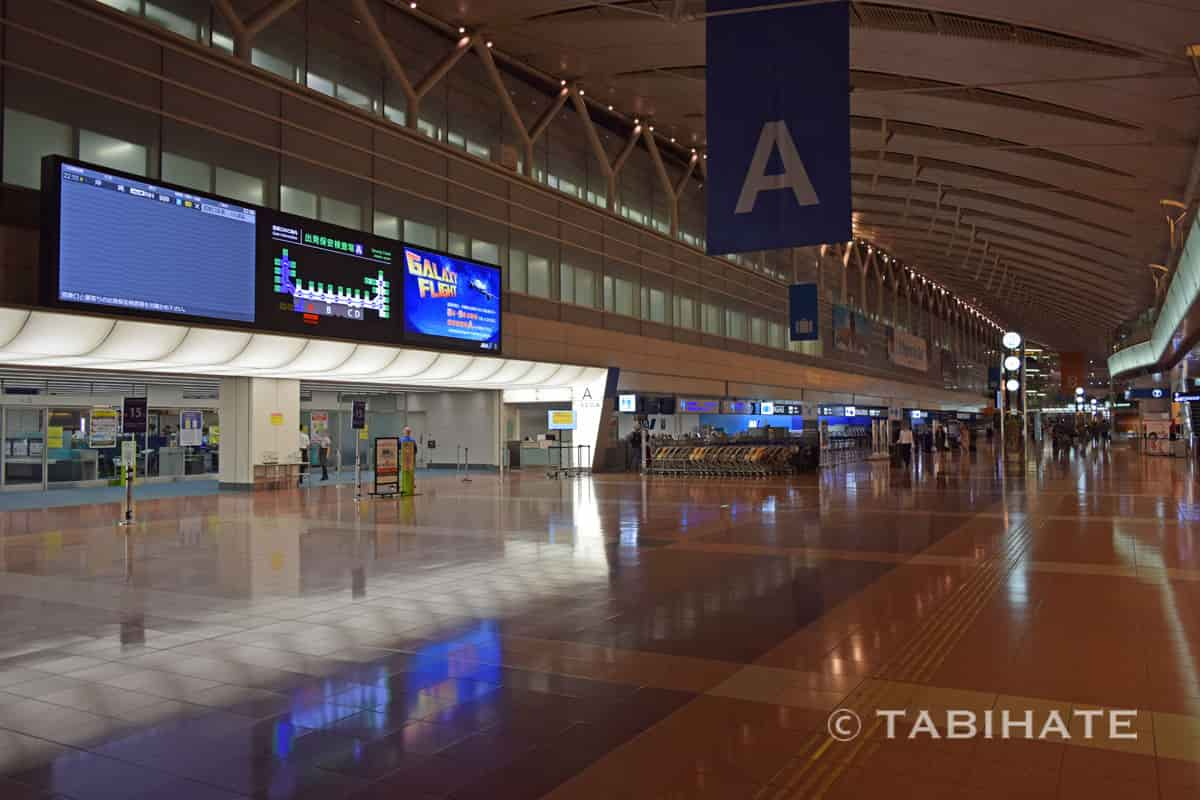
{"x": 803, "y": 309}
{"x": 778, "y": 110}
{"x": 133, "y": 418}
{"x": 359, "y": 415}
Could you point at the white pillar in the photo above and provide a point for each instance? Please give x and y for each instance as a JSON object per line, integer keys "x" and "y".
{"x": 260, "y": 433}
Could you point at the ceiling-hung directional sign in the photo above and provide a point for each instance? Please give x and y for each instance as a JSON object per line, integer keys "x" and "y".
{"x": 778, "y": 125}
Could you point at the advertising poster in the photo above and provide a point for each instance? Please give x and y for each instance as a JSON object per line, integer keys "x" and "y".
{"x": 851, "y": 331}
{"x": 907, "y": 350}
{"x": 54, "y": 437}
{"x": 451, "y": 302}
{"x": 320, "y": 424}
{"x": 191, "y": 426}
{"x": 104, "y": 427}
{"x": 387, "y": 465}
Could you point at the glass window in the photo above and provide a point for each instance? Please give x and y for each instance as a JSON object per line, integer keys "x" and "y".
{"x": 539, "y": 276}
{"x": 179, "y": 16}
{"x": 297, "y": 201}
{"x": 585, "y": 287}
{"x": 685, "y": 313}
{"x": 775, "y": 337}
{"x": 273, "y": 63}
{"x": 128, "y": 6}
{"x": 458, "y": 244}
{"x": 339, "y": 212}
{"x": 420, "y": 234}
{"x": 609, "y": 304}
{"x": 623, "y": 292}
{"x": 186, "y": 172}
{"x": 27, "y": 138}
{"x": 735, "y": 325}
{"x": 387, "y": 225}
{"x": 487, "y": 252}
{"x": 566, "y": 283}
{"x": 517, "y": 263}
{"x": 758, "y": 330}
{"x": 239, "y": 186}
{"x": 658, "y": 306}
{"x": 112, "y": 152}
{"x": 710, "y": 319}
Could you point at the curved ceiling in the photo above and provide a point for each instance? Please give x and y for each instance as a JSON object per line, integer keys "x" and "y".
{"x": 1014, "y": 151}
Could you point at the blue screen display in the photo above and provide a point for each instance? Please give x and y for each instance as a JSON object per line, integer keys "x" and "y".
{"x": 451, "y": 302}
{"x": 134, "y": 245}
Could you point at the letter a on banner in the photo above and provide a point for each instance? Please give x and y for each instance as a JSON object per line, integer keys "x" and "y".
{"x": 778, "y": 124}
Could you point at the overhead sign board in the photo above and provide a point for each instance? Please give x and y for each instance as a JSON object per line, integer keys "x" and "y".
{"x": 133, "y": 416}
{"x": 560, "y": 420}
{"x": 1153, "y": 393}
{"x": 778, "y": 99}
{"x": 627, "y": 403}
{"x": 803, "y": 312}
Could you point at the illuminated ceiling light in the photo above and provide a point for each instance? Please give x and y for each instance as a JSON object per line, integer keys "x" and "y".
{"x": 1012, "y": 363}
{"x": 412, "y": 5}
{"x": 672, "y": 140}
{"x": 562, "y": 82}
{"x": 581, "y": 93}
{"x": 610, "y": 108}
{"x": 489, "y": 44}
{"x": 652, "y": 129}
{"x": 1013, "y": 384}
{"x": 1079, "y": 391}
{"x": 1011, "y": 340}
{"x": 637, "y": 121}
{"x": 461, "y": 30}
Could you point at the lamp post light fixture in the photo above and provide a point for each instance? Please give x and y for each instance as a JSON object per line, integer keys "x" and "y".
{"x": 1013, "y": 384}
{"x": 1011, "y": 340}
{"x": 1012, "y": 363}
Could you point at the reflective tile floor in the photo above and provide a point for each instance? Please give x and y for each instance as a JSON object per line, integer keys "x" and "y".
{"x": 617, "y": 638}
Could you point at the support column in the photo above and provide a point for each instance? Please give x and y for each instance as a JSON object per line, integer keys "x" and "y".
{"x": 260, "y": 432}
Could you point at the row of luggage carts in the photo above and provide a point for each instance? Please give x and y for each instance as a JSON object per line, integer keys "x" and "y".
{"x": 724, "y": 460}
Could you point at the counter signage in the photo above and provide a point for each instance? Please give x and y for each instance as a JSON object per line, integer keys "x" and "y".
{"x": 359, "y": 415}
{"x": 561, "y": 420}
{"x": 737, "y": 407}
{"x": 133, "y": 420}
{"x": 700, "y": 406}
{"x": 627, "y": 403}
{"x": 766, "y": 408}
{"x": 387, "y": 465}
{"x": 1181, "y": 397}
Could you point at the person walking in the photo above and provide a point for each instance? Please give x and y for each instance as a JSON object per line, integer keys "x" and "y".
{"x": 326, "y": 447}
{"x": 906, "y": 445}
{"x": 304, "y": 445}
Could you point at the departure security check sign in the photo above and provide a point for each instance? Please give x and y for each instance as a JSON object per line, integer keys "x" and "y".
{"x": 778, "y": 125}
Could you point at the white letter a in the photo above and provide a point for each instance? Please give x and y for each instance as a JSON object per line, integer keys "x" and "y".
{"x": 794, "y": 175}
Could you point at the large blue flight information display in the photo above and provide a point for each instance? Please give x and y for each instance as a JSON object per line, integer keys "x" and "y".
{"x": 120, "y": 244}
{"x": 142, "y": 247}
{"x": 451, "y": 302}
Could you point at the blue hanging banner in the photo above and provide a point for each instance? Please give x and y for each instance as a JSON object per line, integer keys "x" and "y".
{"x": 803, "y": 310}
{"x": 778, "y": 125}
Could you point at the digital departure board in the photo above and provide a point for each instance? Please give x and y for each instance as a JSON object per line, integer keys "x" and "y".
{"x": 146, "y": 248}
{"x": 324, "y": 280}
{"x": 450, "y": 302}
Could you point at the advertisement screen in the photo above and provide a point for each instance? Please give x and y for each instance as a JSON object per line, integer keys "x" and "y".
{"x": 450, "y": 302}
{"x": 325, "y": 280}
{"x": 143, "y": 248}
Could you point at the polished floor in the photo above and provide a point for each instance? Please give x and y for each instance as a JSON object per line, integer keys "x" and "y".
{"x": 613, "y": 637}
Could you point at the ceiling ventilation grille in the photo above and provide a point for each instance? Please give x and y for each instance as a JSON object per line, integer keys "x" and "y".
{"x": 974, "y": 28}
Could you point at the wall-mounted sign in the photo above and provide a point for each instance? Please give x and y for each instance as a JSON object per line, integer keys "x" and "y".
{"x": 359, "y": 415}
{"x": 627, "y": 403}
{"x": 104, "y": 428}
{"x": 560, "y": 420}
{"x": 276, "y": 419}
{"x": 850, "y": 411}
{"x": 766, "y": 407}
{"x": 1154, "y": 393}
{"x": 191, "y": 425}
{"x": 737, "y": 407}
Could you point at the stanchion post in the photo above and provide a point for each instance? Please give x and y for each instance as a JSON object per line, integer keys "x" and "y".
{"x": 466, "y": 465}
{"x": 128, "y": 519}
{"x": 357, "y": 470}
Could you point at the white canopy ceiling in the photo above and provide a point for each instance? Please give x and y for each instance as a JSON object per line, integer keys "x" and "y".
{"x": 49, "y": 339}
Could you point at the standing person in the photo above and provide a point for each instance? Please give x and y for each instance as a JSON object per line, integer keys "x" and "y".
{"x": 906, "y": 445}
{"x": 326, "y": 446}
{"x": 304, "y": 445}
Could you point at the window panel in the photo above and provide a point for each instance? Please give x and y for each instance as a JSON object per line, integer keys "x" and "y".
{"x": 239, "y": 186}
{"x": 585, "y": 287}
{"x": 27, "y": 139}
{"x": 111, "y": 152}
{"x": 566, "y": 283}
{"x": 187, "y": 172}
{"x": 297, "y": 201}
